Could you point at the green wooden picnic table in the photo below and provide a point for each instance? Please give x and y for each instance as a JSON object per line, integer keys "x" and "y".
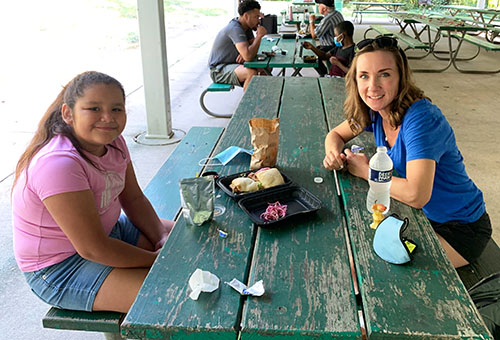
{"x": 367, "y": 7}
{"x": 442, "y": 26}
{"x": 292, "y": 59}
{"x": 305, "y": 264}
{"x": 485, "y": 15}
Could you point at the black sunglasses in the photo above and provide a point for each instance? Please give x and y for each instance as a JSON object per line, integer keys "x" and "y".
{"x": 381, "y": 41}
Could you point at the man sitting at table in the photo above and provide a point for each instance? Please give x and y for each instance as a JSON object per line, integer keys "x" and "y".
{"x": 341, "y": 55}
{"x": 324, "y": 30}
{"x": 236, "y": 44}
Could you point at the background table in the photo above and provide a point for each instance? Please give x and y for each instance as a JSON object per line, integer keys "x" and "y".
{"x": 292, "y": 59}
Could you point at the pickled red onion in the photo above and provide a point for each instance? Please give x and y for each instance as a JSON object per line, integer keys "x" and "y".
{"x": 274, "y": 211}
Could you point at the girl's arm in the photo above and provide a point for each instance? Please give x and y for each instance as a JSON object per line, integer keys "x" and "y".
{"x": 334, "y": 144}
{"x": 140, "y": 211}
{"x": 76, "y": 214}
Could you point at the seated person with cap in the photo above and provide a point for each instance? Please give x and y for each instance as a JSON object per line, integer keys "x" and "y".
{"x": 236, "y": 44}
{"x": 342, "y": 54}
{"x": 324, "y": 30}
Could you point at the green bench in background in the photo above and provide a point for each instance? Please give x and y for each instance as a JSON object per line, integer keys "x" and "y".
{"x": 402, "y": 37}
{"x": 214, "y": 87}
{"x": 163, "y": 193}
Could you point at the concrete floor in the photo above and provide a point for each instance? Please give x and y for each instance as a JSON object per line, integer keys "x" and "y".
{"x": 469, "y": 102}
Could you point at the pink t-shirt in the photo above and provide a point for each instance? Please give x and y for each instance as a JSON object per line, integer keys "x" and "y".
{"x": 58, "y": 168}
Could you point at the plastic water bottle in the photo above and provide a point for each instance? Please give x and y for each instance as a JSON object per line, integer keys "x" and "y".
{"x": 380, "y": 179}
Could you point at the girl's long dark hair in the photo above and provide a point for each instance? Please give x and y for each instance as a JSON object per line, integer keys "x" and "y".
{"x": 52, "y": 123}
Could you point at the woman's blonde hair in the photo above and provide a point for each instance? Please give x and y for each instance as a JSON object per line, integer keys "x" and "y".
{"x": 357, "y": 112}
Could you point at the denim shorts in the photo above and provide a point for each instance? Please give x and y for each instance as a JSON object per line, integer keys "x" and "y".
{"x": 74, "y": 282}
{"x": 469, "y": 240}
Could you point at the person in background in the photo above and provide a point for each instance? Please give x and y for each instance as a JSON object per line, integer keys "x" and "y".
{"x": 340, "y": 57}
{"x": 75, "y": 247}
{"x": 235, "y": 44}
{"x": 383, "y": 98}
{"x": 324, "y": 30}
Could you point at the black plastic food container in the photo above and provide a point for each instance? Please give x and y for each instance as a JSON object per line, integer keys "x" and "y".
{"x": 297, "y": 199}
{"x": 224, "y": 182}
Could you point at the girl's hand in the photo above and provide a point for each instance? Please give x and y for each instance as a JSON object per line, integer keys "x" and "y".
{"x": 166, "y": 228}
{"x": 357, "y": 164}
{"x": 334, "y": 160}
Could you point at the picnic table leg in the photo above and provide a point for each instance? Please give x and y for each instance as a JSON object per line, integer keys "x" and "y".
{"x": 450, "y": 60}
{"x": 469, "y": 71}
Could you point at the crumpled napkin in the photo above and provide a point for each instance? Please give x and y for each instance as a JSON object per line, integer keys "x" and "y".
{"x": 257, "y": 289}
{"x": 202, "y": 281}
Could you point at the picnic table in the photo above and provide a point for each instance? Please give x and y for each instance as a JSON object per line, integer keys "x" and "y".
{"x": 293, "y": 59}
{"x": 484, "y": 15}
{"x": 430, "y": 29}
{"x": 363, "y": 7}
{"x": 320, "y": 274}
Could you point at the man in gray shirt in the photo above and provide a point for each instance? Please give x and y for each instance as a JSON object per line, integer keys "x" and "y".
{"x": 236, "y": 44}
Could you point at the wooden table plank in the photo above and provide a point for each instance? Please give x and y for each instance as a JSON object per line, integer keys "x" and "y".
{"x": 423, "y": 299}
{"x": 303, "y": 264}
{"x": 284, "y": 61}
{"x": 163, "y": 308}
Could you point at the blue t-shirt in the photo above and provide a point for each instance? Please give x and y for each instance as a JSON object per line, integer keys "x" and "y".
{"x": 426, "y": 134}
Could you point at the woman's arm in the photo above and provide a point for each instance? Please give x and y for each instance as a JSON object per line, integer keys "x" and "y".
{"x": 334, "y": 144}
{"x": 76, "y": 214}
{"x": 140, "y": 211}
{"x": 416, "y": 189}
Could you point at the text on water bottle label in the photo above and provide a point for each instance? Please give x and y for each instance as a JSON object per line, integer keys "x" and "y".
{"x": 380, "y": 176}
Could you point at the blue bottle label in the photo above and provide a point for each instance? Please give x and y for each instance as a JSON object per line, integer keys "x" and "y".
{"x": 380, "y": 176}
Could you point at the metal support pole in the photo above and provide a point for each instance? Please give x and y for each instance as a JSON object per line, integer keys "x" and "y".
{"x": 155, "y": 68}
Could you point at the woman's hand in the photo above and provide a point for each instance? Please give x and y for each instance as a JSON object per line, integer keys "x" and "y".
{"x": 357, "y": 164}
{"x": 334, "y": 160}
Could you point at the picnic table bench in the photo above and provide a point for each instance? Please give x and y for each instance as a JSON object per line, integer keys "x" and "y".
{"x": 305, "y": 264}
{"x": 162, "y": 191}
{"x": 449, "y": 28}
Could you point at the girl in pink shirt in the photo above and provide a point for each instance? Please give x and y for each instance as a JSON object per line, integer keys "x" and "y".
{"x": 70, "y": 187}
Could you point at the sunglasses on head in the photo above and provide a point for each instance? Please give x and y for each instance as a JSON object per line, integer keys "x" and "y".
{"x": 382, "y": 42}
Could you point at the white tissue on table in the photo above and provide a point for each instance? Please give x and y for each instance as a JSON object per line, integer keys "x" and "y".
{"x": 257, "y": 289}
{"x": 202, "y": 281}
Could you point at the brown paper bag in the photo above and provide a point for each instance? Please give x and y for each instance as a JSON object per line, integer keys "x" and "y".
{"x": 265, "y": 140}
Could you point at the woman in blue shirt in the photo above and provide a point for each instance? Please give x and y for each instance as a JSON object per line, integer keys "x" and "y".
{"x": 383, "y": 98}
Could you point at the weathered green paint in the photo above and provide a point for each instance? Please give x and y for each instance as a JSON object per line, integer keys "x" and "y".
{"x": 424, "y": 299}
{"x": 163, "y": 190}
{"x": 108, "y": 322}
{"x": 163, "y": 306}
{"x": 304, "y": 264}
{"x": 284, "y": 61}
